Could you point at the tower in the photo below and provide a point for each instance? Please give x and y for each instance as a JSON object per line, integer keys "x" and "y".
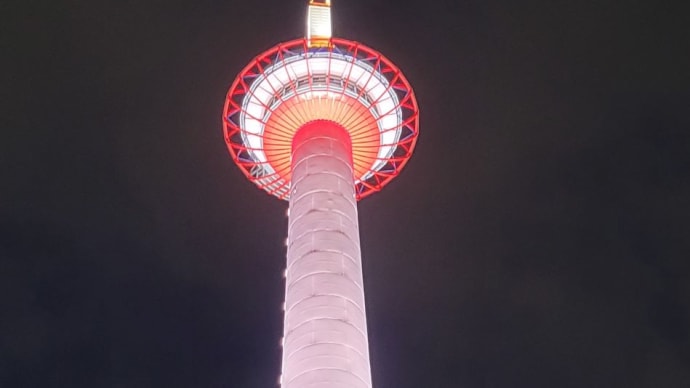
{"x": 322, "y": 122}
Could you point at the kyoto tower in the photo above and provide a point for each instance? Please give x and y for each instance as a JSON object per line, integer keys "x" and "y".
{"x": 322, "y": 122}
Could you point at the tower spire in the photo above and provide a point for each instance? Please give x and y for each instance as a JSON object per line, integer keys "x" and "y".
{"x": 319, "y": 30}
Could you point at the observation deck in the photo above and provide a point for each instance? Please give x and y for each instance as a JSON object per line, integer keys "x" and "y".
{"x": 310, "y": 79}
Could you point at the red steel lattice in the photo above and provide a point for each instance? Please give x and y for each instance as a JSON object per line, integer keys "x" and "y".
{"x": 346, "y": 82}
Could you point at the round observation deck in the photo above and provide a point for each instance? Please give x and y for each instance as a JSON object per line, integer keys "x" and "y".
{"x": 346, "y": 82}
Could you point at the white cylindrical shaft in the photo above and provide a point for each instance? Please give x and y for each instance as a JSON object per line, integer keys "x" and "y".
{"x": 325, "y": 334}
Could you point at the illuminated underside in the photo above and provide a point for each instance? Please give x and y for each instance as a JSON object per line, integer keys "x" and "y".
{"x": 337, "y": 86}
{"x": 344, "y": 82}
{"x": 292, "y": 114}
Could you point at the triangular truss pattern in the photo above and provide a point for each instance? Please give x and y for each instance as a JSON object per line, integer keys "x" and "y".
{"x": 345, "y": 82}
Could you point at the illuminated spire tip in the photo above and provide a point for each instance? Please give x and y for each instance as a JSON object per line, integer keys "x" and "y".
{"x": 319, "y": 23}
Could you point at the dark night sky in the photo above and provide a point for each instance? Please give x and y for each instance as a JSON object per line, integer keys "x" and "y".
{"x": 539, "y": 237}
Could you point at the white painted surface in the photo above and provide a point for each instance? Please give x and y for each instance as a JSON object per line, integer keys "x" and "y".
{"x": 325, "y": 341}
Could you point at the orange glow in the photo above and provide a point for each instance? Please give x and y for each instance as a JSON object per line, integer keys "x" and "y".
{"x": 344, "y": 110}
{"x": 384, "y": 125}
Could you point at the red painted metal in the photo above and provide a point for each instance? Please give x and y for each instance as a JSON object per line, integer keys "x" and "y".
{"x": 292, "y": 113}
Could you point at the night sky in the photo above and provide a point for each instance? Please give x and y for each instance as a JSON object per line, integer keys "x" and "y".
{"x": 539, "y": 236}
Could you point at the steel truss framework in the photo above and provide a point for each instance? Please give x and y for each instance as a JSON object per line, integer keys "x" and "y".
{"x": 346, "y": 82}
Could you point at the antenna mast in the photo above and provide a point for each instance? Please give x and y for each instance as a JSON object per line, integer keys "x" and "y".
{"x": 319, "y": 31}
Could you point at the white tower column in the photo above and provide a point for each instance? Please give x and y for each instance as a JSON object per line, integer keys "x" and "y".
{"x": 325, "y": 333}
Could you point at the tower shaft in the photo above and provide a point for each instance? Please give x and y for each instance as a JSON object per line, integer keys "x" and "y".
{"x": 325, "y": 333}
